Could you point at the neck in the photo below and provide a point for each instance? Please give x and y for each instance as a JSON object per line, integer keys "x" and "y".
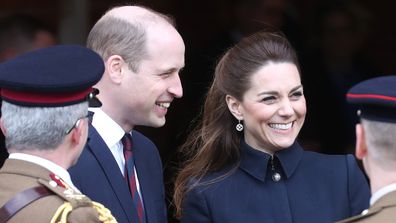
{"x": 380, "y": 178}
{"x": 117, "y": 117}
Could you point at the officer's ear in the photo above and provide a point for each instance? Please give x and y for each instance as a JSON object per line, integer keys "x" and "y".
{"x": 361, "y": 146}
{"x": 79, "y": 132}
{"x": 3, "y": 129}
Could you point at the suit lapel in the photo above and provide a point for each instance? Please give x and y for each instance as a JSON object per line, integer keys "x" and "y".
{"x": 104, "y": 156}
{"x": 144, "y": 178}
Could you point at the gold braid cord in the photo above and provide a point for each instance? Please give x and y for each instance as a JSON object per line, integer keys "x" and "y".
{"x": 60, "y": 215}
{"x": 105, "y": 215}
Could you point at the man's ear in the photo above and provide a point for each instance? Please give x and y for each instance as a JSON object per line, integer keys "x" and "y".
{"x": 234, "y": 106}
{"x": 78, "y": 131}
{"x": 361, "y": 146}
{"x": 114, "y": 65}
{"x": 3, "y": 129}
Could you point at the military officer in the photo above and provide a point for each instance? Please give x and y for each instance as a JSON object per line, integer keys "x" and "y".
{"x": 376, "y": 145}
{"x": 45, "y": 121}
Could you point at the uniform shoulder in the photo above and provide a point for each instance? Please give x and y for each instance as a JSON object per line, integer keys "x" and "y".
{"x": 76, "y": 207}
{"x": 382, "y": 214}
{"x": 356, "y": 218}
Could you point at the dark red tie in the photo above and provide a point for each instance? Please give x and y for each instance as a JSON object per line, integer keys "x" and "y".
{"x": 130, "y": 177}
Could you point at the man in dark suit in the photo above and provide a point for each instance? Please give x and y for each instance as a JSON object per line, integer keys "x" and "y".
{"x": 143, "y": 54}
{"x": 44, "y": 120}
{"x": 375, "y": 145}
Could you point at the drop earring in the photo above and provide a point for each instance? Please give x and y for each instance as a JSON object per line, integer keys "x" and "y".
{"x": 239, "y": 126}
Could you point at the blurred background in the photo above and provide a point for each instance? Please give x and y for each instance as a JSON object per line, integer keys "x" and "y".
{"x": 339, "y": 43}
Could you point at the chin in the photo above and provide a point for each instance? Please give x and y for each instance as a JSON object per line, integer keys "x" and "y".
{"x": 285, "y": 144}
{"x": 158, "y": 123}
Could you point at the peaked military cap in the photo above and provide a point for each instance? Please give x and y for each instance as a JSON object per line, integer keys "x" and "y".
{"x": 375, "y": 98}
{"x": 54, "y": 76}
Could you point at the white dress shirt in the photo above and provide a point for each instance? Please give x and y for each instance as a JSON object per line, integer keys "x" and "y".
{"x": 112, "y": 134}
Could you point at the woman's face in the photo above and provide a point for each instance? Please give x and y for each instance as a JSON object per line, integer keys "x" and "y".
{"x": 273, "y": 108}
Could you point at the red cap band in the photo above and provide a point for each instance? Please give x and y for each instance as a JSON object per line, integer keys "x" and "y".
{"x": 374, "y": 96}
{"x": 45, "y": 98}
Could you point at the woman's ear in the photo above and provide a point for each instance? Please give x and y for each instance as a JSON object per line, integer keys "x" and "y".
{"x": 114, "y": 65}
{"x": 234, "y": 106}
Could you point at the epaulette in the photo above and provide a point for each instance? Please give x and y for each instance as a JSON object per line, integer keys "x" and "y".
{"x": 72, "y": 201}
{"x": 63, "y": 211}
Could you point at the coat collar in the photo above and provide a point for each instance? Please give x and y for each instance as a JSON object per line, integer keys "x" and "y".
{"x": 385, "y": 201}
{"x": 255, "y": 162}
{"x": 21, "y": 167}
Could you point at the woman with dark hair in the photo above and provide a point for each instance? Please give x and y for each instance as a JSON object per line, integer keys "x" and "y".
{"x": 244, "y": 162}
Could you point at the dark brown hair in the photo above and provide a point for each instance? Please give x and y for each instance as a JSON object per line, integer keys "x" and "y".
{"x": 214, "y": 143}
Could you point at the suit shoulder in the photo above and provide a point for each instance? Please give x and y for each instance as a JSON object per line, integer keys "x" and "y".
{"x": 140, "y": 139}
{"x": 139, "y": 136}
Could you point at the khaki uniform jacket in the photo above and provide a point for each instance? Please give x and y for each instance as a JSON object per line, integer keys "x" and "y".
{"x": 382, "y": 211}
{"x": 18, "y": 175}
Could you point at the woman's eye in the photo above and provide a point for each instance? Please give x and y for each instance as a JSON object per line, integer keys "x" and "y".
{"x": 269, "y": 99}
{"x": 297, "y": 94}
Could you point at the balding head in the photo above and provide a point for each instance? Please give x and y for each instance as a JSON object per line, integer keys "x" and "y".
{"x": 138, "y": 14}
{"x": 123, "y": 31}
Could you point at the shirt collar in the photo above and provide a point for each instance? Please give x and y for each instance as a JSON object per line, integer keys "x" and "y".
{"x": 102, "y": 123}
{"x": 381, "y": 192}
{"x": 51, "y": 166}
{"x": 255, "y": 162}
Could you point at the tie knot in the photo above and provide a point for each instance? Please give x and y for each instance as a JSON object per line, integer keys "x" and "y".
{"x": 127, "y": 141}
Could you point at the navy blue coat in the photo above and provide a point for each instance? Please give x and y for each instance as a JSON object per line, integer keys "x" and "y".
{"x": 314, "y": 188}
{"x": 98, "y": 176}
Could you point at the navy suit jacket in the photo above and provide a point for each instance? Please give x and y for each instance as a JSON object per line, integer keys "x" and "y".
{"x": 98, "y": 176}
{"x": 315, "y": 188}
